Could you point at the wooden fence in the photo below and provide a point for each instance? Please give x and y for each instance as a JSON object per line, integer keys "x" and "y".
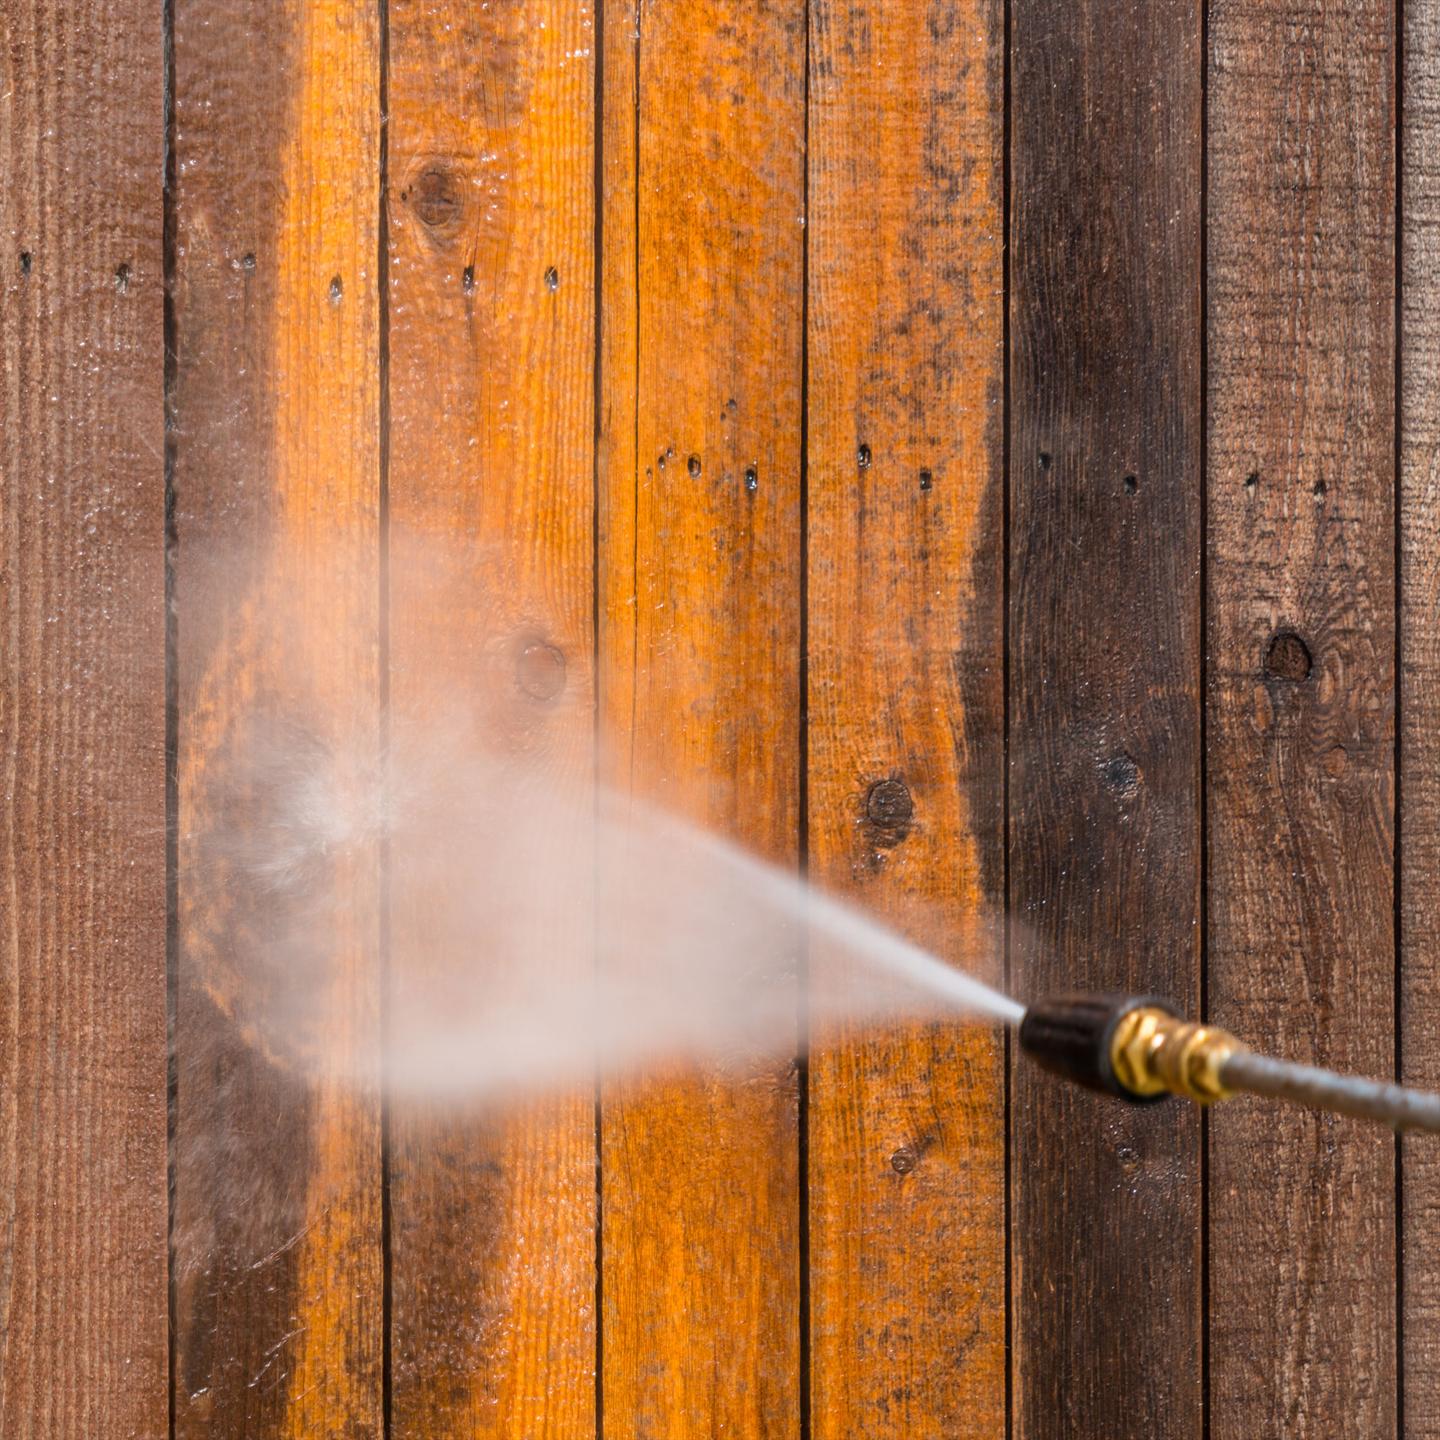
{"x": 1029, "y": 409}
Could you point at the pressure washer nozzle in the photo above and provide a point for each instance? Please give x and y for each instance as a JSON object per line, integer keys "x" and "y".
{"x": 1132, "y": 1046}
{"x": 1138, "y": 1048}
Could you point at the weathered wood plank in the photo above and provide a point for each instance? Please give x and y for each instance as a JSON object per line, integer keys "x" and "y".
{"x": 491, "y": 228}
{"x": 1105, "y": 690}
{"x": 277, "y": 470}
{"x": 906, "y": 705}
{"x": 1419, "y": 700}
{"x": 1301, "y": 687}
{"x": 82, "y": 722}
{"x": 700, "y": 666}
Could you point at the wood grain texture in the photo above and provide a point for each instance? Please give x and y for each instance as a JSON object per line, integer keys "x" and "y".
{"x": 1419, "y": 701}
{"x": 1301, "y": 691}
{"x": 906, "y": 705}
{"x": 700, "y": 666}
{"x": 277, "y": 1213}
{"x": 1105, "y": 688}
{"x": 491, "y": 227}
{"x": 82, "y": 722}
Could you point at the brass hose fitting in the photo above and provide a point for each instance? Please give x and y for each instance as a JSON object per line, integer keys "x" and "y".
{"x": 1154, "y": 1052}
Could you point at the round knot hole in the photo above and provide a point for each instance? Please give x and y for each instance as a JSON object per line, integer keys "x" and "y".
{"x": 1288, "y": 658}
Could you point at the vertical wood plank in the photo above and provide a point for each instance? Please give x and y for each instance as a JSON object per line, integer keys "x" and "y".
{"x": 277, "y": 470}
{"x": 82, "y": 722}
{"x": 1301, "y": 685}
{"x": 906, "y": 705}
{"x": 1105, "y": 647}
{"x": 700, "y": 666}
{"x": 491, "y": 227}
{"x": 1419, "y": 790}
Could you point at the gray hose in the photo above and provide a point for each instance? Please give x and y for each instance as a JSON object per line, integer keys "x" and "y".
{"x": 1397, "y": 1106}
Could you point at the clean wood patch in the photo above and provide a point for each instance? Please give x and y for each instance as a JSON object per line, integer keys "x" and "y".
{"x": 491, "y": 288}
{"x": 700, "y": 671}
{"x": 906, "y": 436}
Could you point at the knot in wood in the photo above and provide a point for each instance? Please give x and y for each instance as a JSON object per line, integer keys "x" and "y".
{"x": 540, "y": 670}
{"x": 1288, "y": 658}
{"x": 890, "y": 807}
{"x": 435, "y": 197}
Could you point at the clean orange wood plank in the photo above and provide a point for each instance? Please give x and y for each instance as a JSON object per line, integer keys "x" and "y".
{"x": 277, "y": 469}
{"x": 906, "y": 438}
{"x": 1301, "y": 719}
{"x": 700, "y": 665}
{"x": 1105, "y": 863}
{"x": 491, "y": 226}
{"x": 1419, "y": 701}
{"x": 82, "y": 722}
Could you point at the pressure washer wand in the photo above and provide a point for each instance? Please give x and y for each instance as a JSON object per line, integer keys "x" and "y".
{"x": 1139, "y": 1049}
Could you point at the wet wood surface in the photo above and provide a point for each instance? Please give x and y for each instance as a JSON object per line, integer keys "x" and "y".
{"x": 700, "y": 628}
{"x": 490, "y": 586}
{"x": 955, "y": 450}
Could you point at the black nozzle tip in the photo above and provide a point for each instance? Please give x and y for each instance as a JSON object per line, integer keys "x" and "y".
{"x": 1071, "y": 1036}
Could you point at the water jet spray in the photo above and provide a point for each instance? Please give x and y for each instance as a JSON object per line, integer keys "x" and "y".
{"x": 1140, "y": 1049}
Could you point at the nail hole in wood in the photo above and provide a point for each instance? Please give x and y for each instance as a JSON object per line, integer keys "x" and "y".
{"x": 122, "y": 279}
{"x": 467, "y": 280}
{"x": 337, "y": 290}
{"x": 863, "y": 457}
{"x": 1131, "y": 483}
{"x": 693, "y": 466}
{"x": 1044, "y": 459}
{"x": 927, "y": 480}
{"x": 552, "y": 279}
{"x": 752, "y": 479}
{"x": 26, "y": 261}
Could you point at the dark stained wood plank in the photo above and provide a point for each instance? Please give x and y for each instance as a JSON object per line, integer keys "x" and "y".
{"x": 491, "y": 228}
{"x": 82, "y": 722}
{"x": 1105, "y": 687}
{"x": 1301, "y": 688}
{"x": 277, "y": 469}
{"x": 699, "y": 670}
{"x": 906, "y": 705}
{"x": 1419, "y": 694}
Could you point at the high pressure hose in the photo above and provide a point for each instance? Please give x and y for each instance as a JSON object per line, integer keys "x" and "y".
{"x": 1139, "y": 1049}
